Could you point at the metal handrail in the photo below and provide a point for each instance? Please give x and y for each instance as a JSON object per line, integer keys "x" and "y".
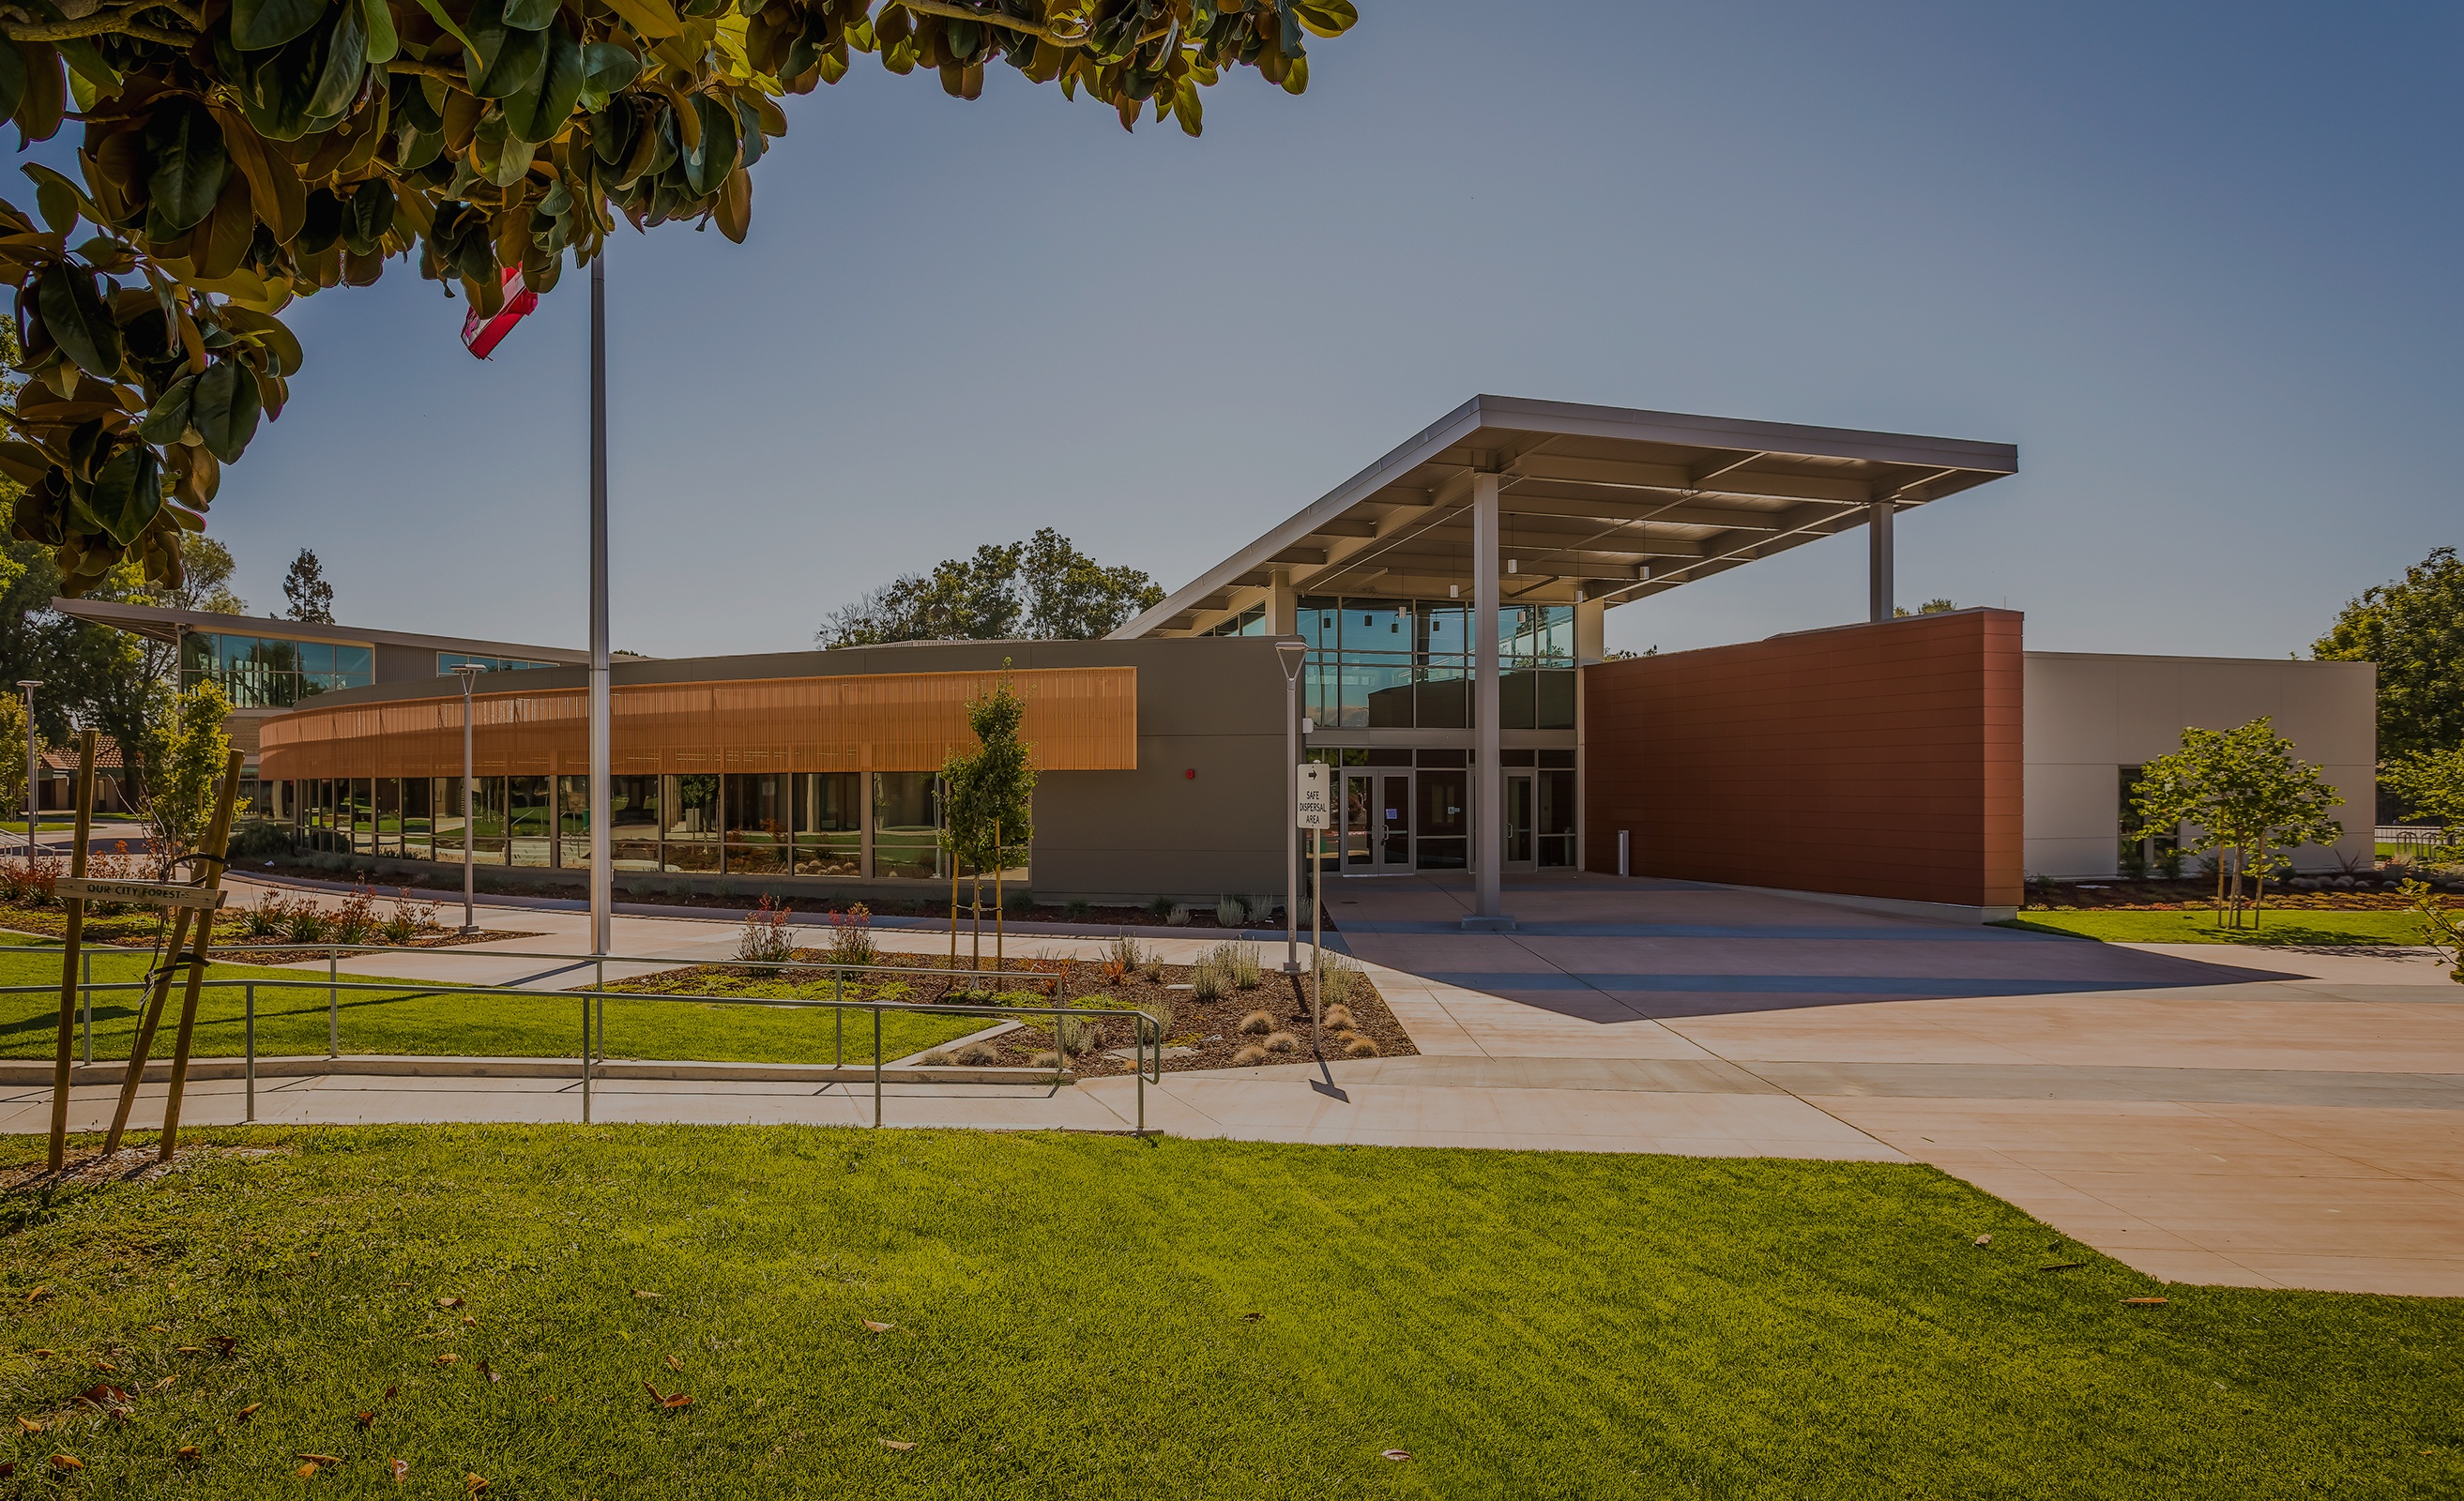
{"x": 1146, "y": 1030}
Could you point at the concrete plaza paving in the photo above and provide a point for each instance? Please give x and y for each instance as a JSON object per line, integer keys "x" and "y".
{"x": 2206, "y": 1113}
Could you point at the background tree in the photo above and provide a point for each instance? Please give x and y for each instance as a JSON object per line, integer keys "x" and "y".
{"x": 1042, "y": 588}
{"x": 2430, "y": 784}
{"x": 311, "y": 598}
{"x": 2245, "y": 795}
{"x": 236, "y": 157}
{"x": 2414, "y": 629}
{"x": 1929, "y": 607}
{"x": 190, "y": 753}
{"x": 13, "y": 755}
{"x": 205, "y": 568}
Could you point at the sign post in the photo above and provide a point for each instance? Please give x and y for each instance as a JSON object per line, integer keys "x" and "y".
{"x": 1313, "y": 808}
{"x": 75, "y": 936}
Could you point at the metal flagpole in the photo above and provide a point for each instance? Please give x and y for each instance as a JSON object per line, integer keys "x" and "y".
{"x": 467, "y": 672}
{"x": 602, "y": 885}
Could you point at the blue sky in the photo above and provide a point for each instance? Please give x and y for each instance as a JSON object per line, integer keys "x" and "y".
{"x": 2197, "y": 261}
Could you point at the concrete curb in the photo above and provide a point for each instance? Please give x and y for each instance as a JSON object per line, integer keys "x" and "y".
{"x": 410, "y": 1066}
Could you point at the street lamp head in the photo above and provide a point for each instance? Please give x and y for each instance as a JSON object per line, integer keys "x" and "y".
{"x": 467, "y": 671}
{"x": 30, "y": 684}
{"x": 1291, "y": 653}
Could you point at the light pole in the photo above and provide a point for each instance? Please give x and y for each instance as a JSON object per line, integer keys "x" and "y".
{"x": 603, "y": 909}
{"x": 1292, "y": 654}
{"x": 466, "y": 672}
{"x": 30, "y": 684}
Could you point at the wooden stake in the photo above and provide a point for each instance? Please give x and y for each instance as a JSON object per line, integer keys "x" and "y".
{"x": 76, "y": 937}
{"x": 149, "y": 1017}
{"x": 218, "y": 842}
{"x": 1000, "y": 891}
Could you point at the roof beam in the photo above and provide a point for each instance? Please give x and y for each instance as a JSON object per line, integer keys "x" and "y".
{"x": 1631, "y": 475}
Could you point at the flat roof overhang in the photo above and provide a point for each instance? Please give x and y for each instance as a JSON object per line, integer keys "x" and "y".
{"x": 1603, "y": 503}
{"x": 158, "y": 623}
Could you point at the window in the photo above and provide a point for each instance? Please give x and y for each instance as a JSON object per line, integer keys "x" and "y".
{"x": 270, "y": 672}
{"x": 1252, "y": 621}
{"x": 906, "y": 823}
{"x": 448, "y": 661}
{"x": 1405, "y": 665}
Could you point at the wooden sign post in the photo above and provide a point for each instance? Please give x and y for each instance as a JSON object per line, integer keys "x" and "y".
{"x": 185, "y": 900}
{"x": 69, "y": 954}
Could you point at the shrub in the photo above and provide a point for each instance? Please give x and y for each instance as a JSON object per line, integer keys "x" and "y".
{"x": 259, "y": 838}
{"x": 1252, "y": 1054}
{"x": 938, "y": 1059}
{"x": 680, "y": 889}
{"x": 1206, "y": 983}
{"x": 1262, "y": 909}
{"x": 28, "y": 883}
{"x": 1257, "y": 1024}
{"x": 266, "y": 917}
{"x": 765, "y": 938}
{"x": 1162, "y": 906}
{"x": 304, "y": 924}
{"x": 1359, "y": 1046}
{"x": 1282, "y": 1042}
{"x": 1228, "y": 912}
{"x": 1339, "y": 975}
{"x": 851, "y": 940}
{"x": 1122, "y": 957}
{"x": 1339, "y": 1018}
{"x": 978, "y": 1054}
{"x": 1078, "y": 909}
{"x": 1048, "y": 1060}
{"x": 1238, "y": 963}
{"x": 355, "y": 919}
{"x": 1153, "y": 970}
{"x": 1177, "y": 916}
{"x": 1075, "y": 1035}
{"x": 1161, "y": 1011}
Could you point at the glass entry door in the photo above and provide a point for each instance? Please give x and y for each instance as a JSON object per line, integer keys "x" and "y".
{"x": 1377, "y": 836}
{"x": 1518, "y": 820}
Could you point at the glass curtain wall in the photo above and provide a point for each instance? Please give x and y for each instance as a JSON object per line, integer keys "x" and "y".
{"x": 758, "y": 840}
{"x": 906, "y": 823}
{"x": 265, "y": 672}
{"x": 1407, "y": 664}
{"x": 829, "y": 823}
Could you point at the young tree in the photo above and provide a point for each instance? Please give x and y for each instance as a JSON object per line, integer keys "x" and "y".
{"x": 188, "y": 770}
{"x": 235, "y": 158}
{"x": 2414, "y": 629}
{"x": 2432, "y": 783}
{"x": 13, "y": 729}
{"x": 988, "y": 804}
{"x": 2247, "y": 797}
{"x": 311, "y": 597}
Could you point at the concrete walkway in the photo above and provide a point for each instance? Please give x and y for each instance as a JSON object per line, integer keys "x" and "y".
{"x": 2208, "y": 1114}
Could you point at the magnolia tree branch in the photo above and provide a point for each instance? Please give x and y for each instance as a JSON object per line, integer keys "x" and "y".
{"x": 101, "y": 24}
{"x": 959, "y": 13}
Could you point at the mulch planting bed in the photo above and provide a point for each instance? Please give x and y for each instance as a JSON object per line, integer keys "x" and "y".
{"x": 137, "y": 929}
{"x": 1210, "y": 1030}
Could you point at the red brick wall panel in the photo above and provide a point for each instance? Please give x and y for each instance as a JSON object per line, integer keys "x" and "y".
{"x": 1873, "y": 760}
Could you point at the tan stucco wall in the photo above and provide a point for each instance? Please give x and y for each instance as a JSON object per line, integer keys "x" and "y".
{"x": 2089, "y": 714}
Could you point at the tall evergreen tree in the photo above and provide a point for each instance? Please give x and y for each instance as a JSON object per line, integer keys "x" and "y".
{"x": 311, "y": 597}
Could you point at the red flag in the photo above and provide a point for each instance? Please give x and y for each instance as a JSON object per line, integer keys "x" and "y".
{"x": 482, "y": 334}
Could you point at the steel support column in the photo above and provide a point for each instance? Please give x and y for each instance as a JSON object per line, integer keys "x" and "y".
{"x": 1882, "y": 590}
{"x": 1487, "y": 784}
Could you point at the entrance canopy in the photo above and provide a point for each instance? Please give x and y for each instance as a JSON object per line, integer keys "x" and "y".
{"x": 1603, "y": 503}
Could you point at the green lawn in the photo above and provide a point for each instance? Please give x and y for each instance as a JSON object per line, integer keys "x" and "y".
{"x": 1100, "y": 1317}
{"x": 2279, "y": 926}
{"x": 291, "y": 1018}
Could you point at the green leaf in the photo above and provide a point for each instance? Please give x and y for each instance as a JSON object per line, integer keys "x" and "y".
{"x": 1325, "y": 18}
{"x": 185, "y": 147}
{"x": 59, "y": 200}
{"x": 538, "y": 112}
{"x": 225, "y": 408}
{"x": 608, "y": 66}
{"x": 509, "y": 59}
{"x": 346, "y": 63}
{"x": 168, "y": 417}
{"x": 436, "y": 12}
{"x": 259, "y": 24}
{"x": 268, "y": 330}
{"x": 126, "y": 493}
{"x": 76, "y": 317}
{"x": 383, "y": 45}
{"x": 529, "y": 16}
{"x": 13, "y": 78}
{"x": 708, "y": 163}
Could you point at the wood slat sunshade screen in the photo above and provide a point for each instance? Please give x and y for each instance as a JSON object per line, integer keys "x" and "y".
{"x": 1078, "y": 719}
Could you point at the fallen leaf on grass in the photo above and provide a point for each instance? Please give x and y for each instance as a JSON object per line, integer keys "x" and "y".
{"x": 900, "y": 1445}
{"x": 107, "y": 1366}
{"x": 307, "y": 1469}
{"x": 225, "y": 1344}
{"x": 37, "y": 1296}
{"x": 164, "y": 1384}
{"x": 389, "y": 1394}
{"x": 449, "y": 1302}
{"x": 321, "y": 1459}
{"x": 469, "y": 1322}
{"x": 44, "y": 1354}
{"x": 29, "y": 1424}
{"x": 1251, "y": 1319}
{"x": 1984, "y": 1240}
{"x": 67, "y": 1461}
{"x": 364, "y": 1418}
{"x": 2144, "y": 1303}
{"x": 1394, "y": 1453}
{"x": 473, "y": 1484}
{"x": 2060, "y": 1266}
{"x": 674, "y": 1364}
{"x": 678, "y": 1400}
{"x": 99, "y": 1395}
{"x": 639, "y": 1293}
{"x": 160, "y": 1328}
{"x": 489, "y": 1372}
{"x": 879, "y": 1329}
{"x": 188, "y": 1454}
{"x": 448, "y": 1357}
{"x": 399, "y": 1469}
{"x": 9, "y": 1466}
{"x": 190, "y": 1349}
{"x": 250, "y": 1411}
